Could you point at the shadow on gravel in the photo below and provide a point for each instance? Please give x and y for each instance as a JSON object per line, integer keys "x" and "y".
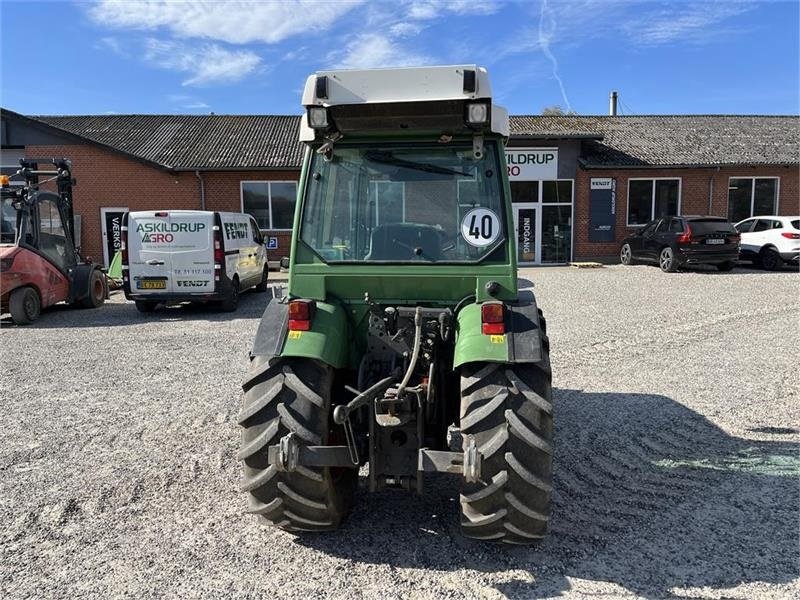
{"x": 649, "y": 496}
{"x": 115, "y": 314}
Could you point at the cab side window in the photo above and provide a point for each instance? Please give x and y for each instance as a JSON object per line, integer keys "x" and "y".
{"x": 52, "y": 237}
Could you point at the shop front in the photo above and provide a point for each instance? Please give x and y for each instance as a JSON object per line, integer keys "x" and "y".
{"x": 542, "y": 203}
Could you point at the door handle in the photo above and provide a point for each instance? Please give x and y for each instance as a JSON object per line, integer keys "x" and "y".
{"x": 154, "y": 262}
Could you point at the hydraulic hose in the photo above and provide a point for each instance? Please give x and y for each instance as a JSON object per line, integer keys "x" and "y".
{"x": 414, "y": 354}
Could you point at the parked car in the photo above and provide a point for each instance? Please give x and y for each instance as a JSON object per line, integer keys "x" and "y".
{"x": 190, "y": 255}
{"x": 770, "y": 241}
{"x": 676, "y": 241}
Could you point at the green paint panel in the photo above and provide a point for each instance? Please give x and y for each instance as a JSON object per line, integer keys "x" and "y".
{"x": 472, "y": 345}
{"x": 327, "y": 341}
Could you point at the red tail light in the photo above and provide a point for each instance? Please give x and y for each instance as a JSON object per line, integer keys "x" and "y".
{"x": 124, "y": 245}
{"x": 791, "y": 236}
{"x": 300, "y": 314}
{"x": 493, "y": 318}
{"x": 686, "y": 236}
{"x": 219, "y": 252}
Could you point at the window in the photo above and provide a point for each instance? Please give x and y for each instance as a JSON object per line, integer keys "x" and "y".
{"x": 401, "y": 203}
{"x": 557, "y": 191}
{"x": 662, "y": 226}
{"x": 652, "y": 198}
{"x": 745, "y": 226}
{"x": 524, "y": 191}
{"x": 676, "y": 226}
{"x": 52, "y": 238}
{"x": 751, "y": 196}
{"x": 256, "y": 232}
{"x": 270, "y": 203}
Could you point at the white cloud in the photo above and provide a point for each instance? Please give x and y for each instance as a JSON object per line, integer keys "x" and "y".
{"x": 235, "y": 22}
{"x": 690, "y": 22}
{"x": 372, "y": 50}
{"x": 405, "y": 29}
{"x": 547, "y": 25}
{"x": 110, "y": 43}
{"x": 431, "y": 9}
{"x": 205, "y": 64}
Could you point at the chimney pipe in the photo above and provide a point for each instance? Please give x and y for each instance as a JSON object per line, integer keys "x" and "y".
{"x": 612, "y": 103}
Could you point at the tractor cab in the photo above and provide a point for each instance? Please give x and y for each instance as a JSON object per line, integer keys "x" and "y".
{"x": 404, "y": 343}
{"x": 40, "y": 264}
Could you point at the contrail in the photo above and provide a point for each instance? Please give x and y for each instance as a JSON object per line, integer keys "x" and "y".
{"x": 544, "y": 43}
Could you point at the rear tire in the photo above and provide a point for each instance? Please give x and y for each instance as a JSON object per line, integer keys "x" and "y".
{"x": 145, "y": 306}
{"x": 24, "y": 305}
{"x": 262, "y": 287}
{"x": 96, "y": 294}
{"x": 770, "y": 260}
{"x": 507, "y": 410}
{"x": 667, "y": 261}
{"x": 231, "y": 302}
{"x": 291, "y": 395}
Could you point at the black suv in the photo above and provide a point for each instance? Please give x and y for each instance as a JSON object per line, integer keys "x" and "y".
{"x": 674, "y": 242}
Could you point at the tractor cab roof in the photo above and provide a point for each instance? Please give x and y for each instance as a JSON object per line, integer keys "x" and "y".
{"x": 443, "y": 100}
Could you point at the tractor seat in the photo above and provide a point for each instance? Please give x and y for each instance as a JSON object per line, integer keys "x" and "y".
{"x": 397, "y": 241}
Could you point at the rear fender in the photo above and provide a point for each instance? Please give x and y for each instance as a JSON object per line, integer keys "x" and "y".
{"x": 522, "y": 342}
{"x": 327, "y": 341}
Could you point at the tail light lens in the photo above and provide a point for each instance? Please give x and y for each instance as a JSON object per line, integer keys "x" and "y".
{"x": 124, "y": 245}
{"x": 300, "y": 314}
{"x": 791, "y": 236}
{"x": 493, "y": 316}
{"x": 686, "y": 236}
{"x": 219, "y": 252}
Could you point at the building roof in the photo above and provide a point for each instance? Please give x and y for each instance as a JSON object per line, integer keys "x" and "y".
{"x": 674, "y": 140}
{"x": 242, "y": 142}
{"x": 194, "y": 142}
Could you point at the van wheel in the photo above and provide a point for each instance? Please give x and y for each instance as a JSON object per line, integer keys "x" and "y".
{"x": 145, "y": 306}
{"x": 231, "y": 302}
{"x": 96, "y": 294}
{"x": 24, "y": 305}
{"x": 262, "y": 287}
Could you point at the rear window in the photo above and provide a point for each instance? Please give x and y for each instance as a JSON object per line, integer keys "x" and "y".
{"x": 703, "y": 226}
{"x": 796, "y": 223}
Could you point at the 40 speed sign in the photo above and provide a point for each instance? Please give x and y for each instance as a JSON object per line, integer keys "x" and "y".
{"x": 480, "y": 227}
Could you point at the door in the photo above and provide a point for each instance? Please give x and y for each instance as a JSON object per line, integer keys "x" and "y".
{"x": 526, "y": 224}
{"x": 259, "y": 251}
{"x": 111, "y": 227}
{"x": 556, "y": 233}
{"x": 653, "y": 239}
{"x": 192, "y": 253}
{"x": 149, "y": 252}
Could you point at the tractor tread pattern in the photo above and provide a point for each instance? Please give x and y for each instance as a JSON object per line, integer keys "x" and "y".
{"x": 507, "y": 410}
{"x": 290, "y": 395}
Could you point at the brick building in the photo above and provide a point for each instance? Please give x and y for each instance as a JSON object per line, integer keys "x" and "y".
{"x": 579, "y": 184}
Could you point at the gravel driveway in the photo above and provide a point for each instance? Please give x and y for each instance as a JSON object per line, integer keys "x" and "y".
{"x": 677, "y": 470}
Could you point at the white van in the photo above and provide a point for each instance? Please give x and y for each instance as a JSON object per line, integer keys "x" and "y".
{"x": 175, "y": 256}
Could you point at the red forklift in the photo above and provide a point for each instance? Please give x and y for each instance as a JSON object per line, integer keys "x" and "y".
{"x": 39, "y": 263}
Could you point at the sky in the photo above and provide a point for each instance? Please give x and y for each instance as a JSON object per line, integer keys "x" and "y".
{"x": 244, "y": 57}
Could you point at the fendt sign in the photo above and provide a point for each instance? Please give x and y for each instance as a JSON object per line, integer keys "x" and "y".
{"x": 532, "y": 164}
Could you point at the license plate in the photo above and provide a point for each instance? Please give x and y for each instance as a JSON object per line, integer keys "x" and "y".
{"x": 715, "y": 241}
{"x": 152, "y": 285}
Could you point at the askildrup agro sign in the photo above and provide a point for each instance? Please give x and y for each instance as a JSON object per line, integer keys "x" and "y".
{"x": 532, "y": 164}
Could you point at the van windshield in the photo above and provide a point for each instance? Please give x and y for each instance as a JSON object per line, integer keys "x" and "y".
{"x": 404, "y": 203}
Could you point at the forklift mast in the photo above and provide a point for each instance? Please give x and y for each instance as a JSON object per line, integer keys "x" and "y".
{"x": 29, "y": 170}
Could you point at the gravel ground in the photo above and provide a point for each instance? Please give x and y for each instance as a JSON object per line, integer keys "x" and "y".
{"x": 677, "y": 469}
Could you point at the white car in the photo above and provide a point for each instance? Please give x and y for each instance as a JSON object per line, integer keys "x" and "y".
{"x": 770, "y": 241}
{"x": 171, "y": 256}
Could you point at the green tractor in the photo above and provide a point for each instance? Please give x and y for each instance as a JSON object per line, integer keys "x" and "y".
{"x": 404, "y": 342}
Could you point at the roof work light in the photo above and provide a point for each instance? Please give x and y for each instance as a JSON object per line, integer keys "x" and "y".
{"x": 318, "y": 117}
{"x": 477, "y": 113}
